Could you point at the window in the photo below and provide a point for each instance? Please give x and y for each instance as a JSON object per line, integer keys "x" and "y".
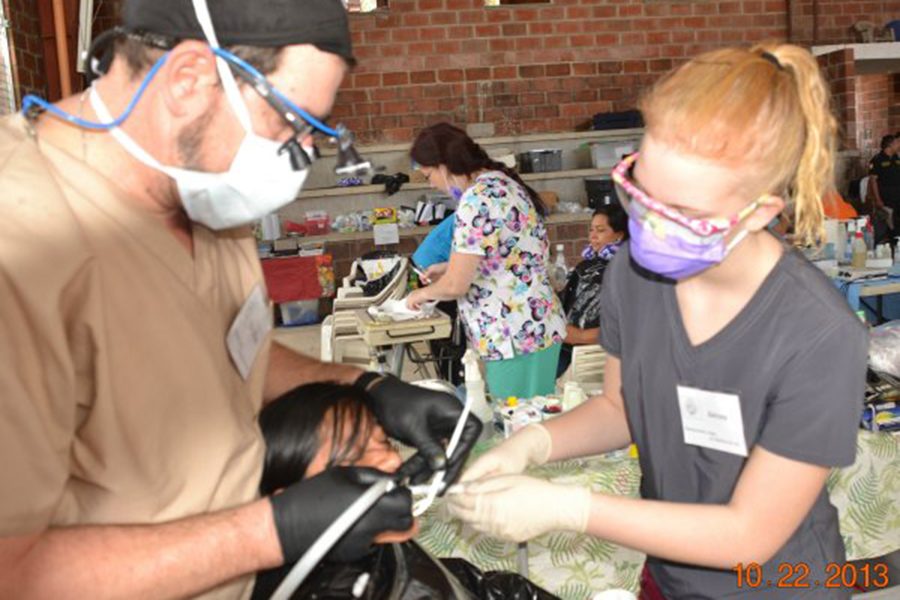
{"x": 7, "y": 83}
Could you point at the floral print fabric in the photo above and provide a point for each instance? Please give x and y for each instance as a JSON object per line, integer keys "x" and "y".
{"x": 510, "y": 308}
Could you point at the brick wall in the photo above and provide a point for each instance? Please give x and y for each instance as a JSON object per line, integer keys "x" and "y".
{"x": 528, "y": 68}
{"x": 107, "y": 12}
{"x": 873, "y": 96}
{"x": 549, "y": 67}
{"x": 836, "y": 17}
{"x": 841, "y": 74}
{"x": 894, "y": 108}
{"x": 29, "y": 51}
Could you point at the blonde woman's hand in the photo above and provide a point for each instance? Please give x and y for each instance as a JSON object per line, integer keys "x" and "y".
{"x": 518, "y": 508}
{"x": 529, "y": 446}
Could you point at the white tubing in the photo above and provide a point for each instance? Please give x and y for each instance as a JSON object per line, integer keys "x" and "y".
{"x": 438, "y": 481}
{"x": 329, "y": 538}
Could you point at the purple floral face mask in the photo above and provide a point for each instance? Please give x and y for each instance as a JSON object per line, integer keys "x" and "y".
{"x": 666, "y": 241}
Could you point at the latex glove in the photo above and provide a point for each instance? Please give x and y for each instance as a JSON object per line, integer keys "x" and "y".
{"x": 518, "y": 508}
{"x": 423, "y": 419}
{"x": 304, "y": 510}
{"x": 528, "y": 446}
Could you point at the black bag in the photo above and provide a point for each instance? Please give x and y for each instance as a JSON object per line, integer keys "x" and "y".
{"x": 374, "y": 286}
{"x": 581, "y": 297}
{"x": 629, "y": 119}
{"x": 405, "y": 572}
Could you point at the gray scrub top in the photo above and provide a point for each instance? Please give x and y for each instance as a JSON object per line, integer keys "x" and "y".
{"x": 796, "y": 358}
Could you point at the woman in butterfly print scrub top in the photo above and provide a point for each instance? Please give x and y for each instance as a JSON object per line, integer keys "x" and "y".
{"x": 498, "y": 265}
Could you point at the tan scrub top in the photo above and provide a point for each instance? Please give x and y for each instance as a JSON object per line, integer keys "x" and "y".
{"x": 120, "y": 402}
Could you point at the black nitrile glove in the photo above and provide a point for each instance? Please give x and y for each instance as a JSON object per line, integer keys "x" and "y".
{"x": 421, "y": 418}
{"x": 306, "y": 509}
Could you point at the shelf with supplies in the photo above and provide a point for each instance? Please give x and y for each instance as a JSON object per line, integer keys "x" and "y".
{"x": 374, "y": 190}
{"x": 421, "y": 230}
{"x": 322, "y": 193}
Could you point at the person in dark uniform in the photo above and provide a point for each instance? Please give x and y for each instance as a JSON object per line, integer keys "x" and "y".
{"x": 884, "y": 170}
{"x": 884, "y": 181}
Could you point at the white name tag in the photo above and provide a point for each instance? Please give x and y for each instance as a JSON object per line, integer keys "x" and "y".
{"x": 248, "y": 331}
{"x": 712, "y": 420}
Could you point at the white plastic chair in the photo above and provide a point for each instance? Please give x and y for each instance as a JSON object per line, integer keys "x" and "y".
{"x": 587, "y": 367}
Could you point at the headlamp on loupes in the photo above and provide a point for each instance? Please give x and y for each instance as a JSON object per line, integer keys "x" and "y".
{"x": 348, "y": 163}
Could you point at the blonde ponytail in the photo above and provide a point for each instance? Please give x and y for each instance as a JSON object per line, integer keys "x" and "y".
{"x": 814, "y": 175}
{"x": 764, "y": 110}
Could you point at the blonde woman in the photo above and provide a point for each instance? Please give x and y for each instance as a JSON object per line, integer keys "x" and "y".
{"x": 735, "y": 366}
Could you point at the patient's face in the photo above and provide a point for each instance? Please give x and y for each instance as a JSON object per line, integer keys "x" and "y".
{"x": 377, "y": 451}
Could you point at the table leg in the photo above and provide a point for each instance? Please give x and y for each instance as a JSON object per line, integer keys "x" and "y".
{"x": 395, "y": 362}
{"x": 522, "y": 559}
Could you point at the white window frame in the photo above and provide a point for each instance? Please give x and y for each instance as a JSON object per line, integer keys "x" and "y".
{"x": 8, "y": 92}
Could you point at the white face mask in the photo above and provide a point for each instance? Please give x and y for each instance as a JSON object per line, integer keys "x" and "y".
{"x": 258, "y": 182}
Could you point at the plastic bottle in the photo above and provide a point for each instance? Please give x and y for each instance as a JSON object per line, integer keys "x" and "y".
{"x": 475, "y": 392}
{"x": 869, "y": 235}
{"x": 858, "y": 259}
{"x": 848, "y": 248}
{"x": 840, "y": 246}
{"x": 573, "y": 395}
{"x": 559, "y": 272}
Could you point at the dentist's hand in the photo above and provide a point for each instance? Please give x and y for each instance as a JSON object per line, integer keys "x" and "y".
{"x": 518, "y": 508}
{"x": 421, "y": 418}
{"x": 306, "y": 509}
{"x": 527, "y": 447}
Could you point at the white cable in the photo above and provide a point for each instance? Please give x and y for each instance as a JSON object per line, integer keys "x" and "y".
{"x": 437, "y": 482}
{"x": 228, "y": 83}
{"x": 329, "y": 538}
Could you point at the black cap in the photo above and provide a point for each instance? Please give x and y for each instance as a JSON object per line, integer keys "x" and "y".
{"x": 261, "y": 23}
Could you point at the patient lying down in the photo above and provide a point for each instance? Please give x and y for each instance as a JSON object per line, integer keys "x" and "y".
{"x": 321, "y": 425}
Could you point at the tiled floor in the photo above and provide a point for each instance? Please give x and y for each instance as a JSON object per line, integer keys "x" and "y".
{"x": 305, "y": 339}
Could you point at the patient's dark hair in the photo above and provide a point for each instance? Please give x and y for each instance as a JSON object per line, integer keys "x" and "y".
{"x": 292, "y": 428}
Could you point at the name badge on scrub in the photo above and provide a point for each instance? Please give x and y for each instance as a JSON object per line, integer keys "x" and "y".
{"x": 712, "y": 420}
{"x": 248, "y": 331}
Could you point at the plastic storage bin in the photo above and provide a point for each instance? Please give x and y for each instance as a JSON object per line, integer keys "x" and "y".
{"x": 299, "y": 312}
{"x": 598, "y": 189}
{"x": 317, "y": 222}
{"x": 540, "y": 161}
{"x": 606, "y": 154}
{"x": 629, "y": 119}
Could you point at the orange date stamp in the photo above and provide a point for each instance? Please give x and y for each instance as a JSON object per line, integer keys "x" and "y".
{"x": 796, "y": 575}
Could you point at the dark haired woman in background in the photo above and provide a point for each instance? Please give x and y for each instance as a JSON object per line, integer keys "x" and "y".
{"x": 498, "y": 264}
{"x": 581, "y": 298}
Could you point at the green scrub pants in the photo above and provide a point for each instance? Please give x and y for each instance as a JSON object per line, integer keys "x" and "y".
{"x": 524, "y": 376}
